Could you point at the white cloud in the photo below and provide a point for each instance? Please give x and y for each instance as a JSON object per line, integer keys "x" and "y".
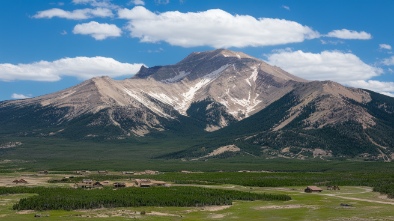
{"x": 286, "y": 7}
{"x": 138, "y": 2}
{"x": 389, "y": 61}
{"x": 327, "y": 65}
{"x": 386, "y": 88}
{"x": 349, "y": 34}
{"x": 19, "y": 96}
{"x": 77, "y": 14}
{"x": 215, "y": 28}
{"x": 388, "y": 94}
{"x": 385, "y": 46}
{"x": 80, "y": 67}
{"x": 98, "y": 31}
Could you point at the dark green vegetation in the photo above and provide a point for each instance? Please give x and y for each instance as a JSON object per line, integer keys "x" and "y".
{"x": 280, "y": 179}
{"x": 71, "y": 199}
{"x": 140, "y": 154}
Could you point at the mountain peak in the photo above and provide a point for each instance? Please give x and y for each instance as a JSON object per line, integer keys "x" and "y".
{"x": 208, "y": 55}
{"x": 229, "y": 53}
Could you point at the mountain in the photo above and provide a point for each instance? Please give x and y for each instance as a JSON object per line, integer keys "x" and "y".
{"x": 227, "y": 99}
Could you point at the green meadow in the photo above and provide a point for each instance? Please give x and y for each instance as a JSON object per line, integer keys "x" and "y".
{"x": 363, "y": 195}
{"x": 350, "y": 203}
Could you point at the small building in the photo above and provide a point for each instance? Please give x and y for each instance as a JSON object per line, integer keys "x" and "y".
{"x": 127, "y": 172}
{"x": 158, "y": 183}
{"x": 83, "y": 185}
{"x": 97, "y": 184}
{"x": 88, "y": 184}
{"x": 313, "y": 189}
{"x": 119, "y": 185}
{"x": 151, "y": 172}
{"x": 43, "y": 172}
{"x": 87, "y": 181}
{"x": 148, "y": 183}
{"x": 20, "y": 181}
{"x": 103, "y": 172}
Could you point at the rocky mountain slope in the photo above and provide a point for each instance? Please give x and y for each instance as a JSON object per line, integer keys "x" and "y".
{"x": 216, "y": 94}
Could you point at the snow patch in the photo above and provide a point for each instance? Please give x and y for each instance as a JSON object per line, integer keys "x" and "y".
{"x": 253, "y": 76}
{"x": 189, "y": 95}
{"x": 147, "y": 103}
{"x": 248, "y": 104}
{"x": 164, "y": 98}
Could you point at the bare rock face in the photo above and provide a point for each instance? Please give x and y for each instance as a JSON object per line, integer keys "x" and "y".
{"x": 332, "y": 104}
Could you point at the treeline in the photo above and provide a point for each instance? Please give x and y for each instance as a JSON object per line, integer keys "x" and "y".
{"x": 182, "y": 196}
{"x": 385, "y": 189}
{"x": 276, "y": 179}
{"x": 381, "y": 181}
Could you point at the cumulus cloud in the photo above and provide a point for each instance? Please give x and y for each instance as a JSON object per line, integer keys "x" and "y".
{"x": 349, "y": 34}
{"x": 97, "y": 30}
{"x": 77, "y": 14}
{"x": 19, "y": 96}
{"x": 386, "y": 88}
{"x": 215, "y": 28}
{"x": 389, "y": 61}
{"x": 327, "y": 65}
{"x": 385, "y": 46}
{"x": 80, "y": 67}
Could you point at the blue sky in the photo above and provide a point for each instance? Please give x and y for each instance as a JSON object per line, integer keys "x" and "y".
{"x": 49, "y": 45}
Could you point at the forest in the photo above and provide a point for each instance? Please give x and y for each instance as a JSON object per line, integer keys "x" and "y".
{"x": 57, "y": 198}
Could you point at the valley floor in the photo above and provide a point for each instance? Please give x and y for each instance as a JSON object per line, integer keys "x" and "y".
{"x": 356, "y": 203}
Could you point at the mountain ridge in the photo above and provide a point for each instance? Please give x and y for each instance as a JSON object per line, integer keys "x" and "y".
{"x": 219, "y": 93}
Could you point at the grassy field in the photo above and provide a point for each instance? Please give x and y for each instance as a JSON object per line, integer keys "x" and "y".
{"x": 67, "y": 155}
{"x": 362, "y": 205}
{"x": 349, "y": 203}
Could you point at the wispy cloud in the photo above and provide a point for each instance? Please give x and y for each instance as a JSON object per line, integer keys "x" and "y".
{"x": 389, "y": 61}
{"x": 349, "y": 34}
{"x": 162, "y": 2}
{"x": 20, "y": 96}
{"x": 79, "y": 67}
{"x": 325, "y": 42}
{"x": 385, "y": 46}
{"x": 215, "y": 28}
{"x": 286, "y": 7}
{"x": 78, "y": 14}
{"x": 138, "y": 2}
{"x": 98, "y": 31}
